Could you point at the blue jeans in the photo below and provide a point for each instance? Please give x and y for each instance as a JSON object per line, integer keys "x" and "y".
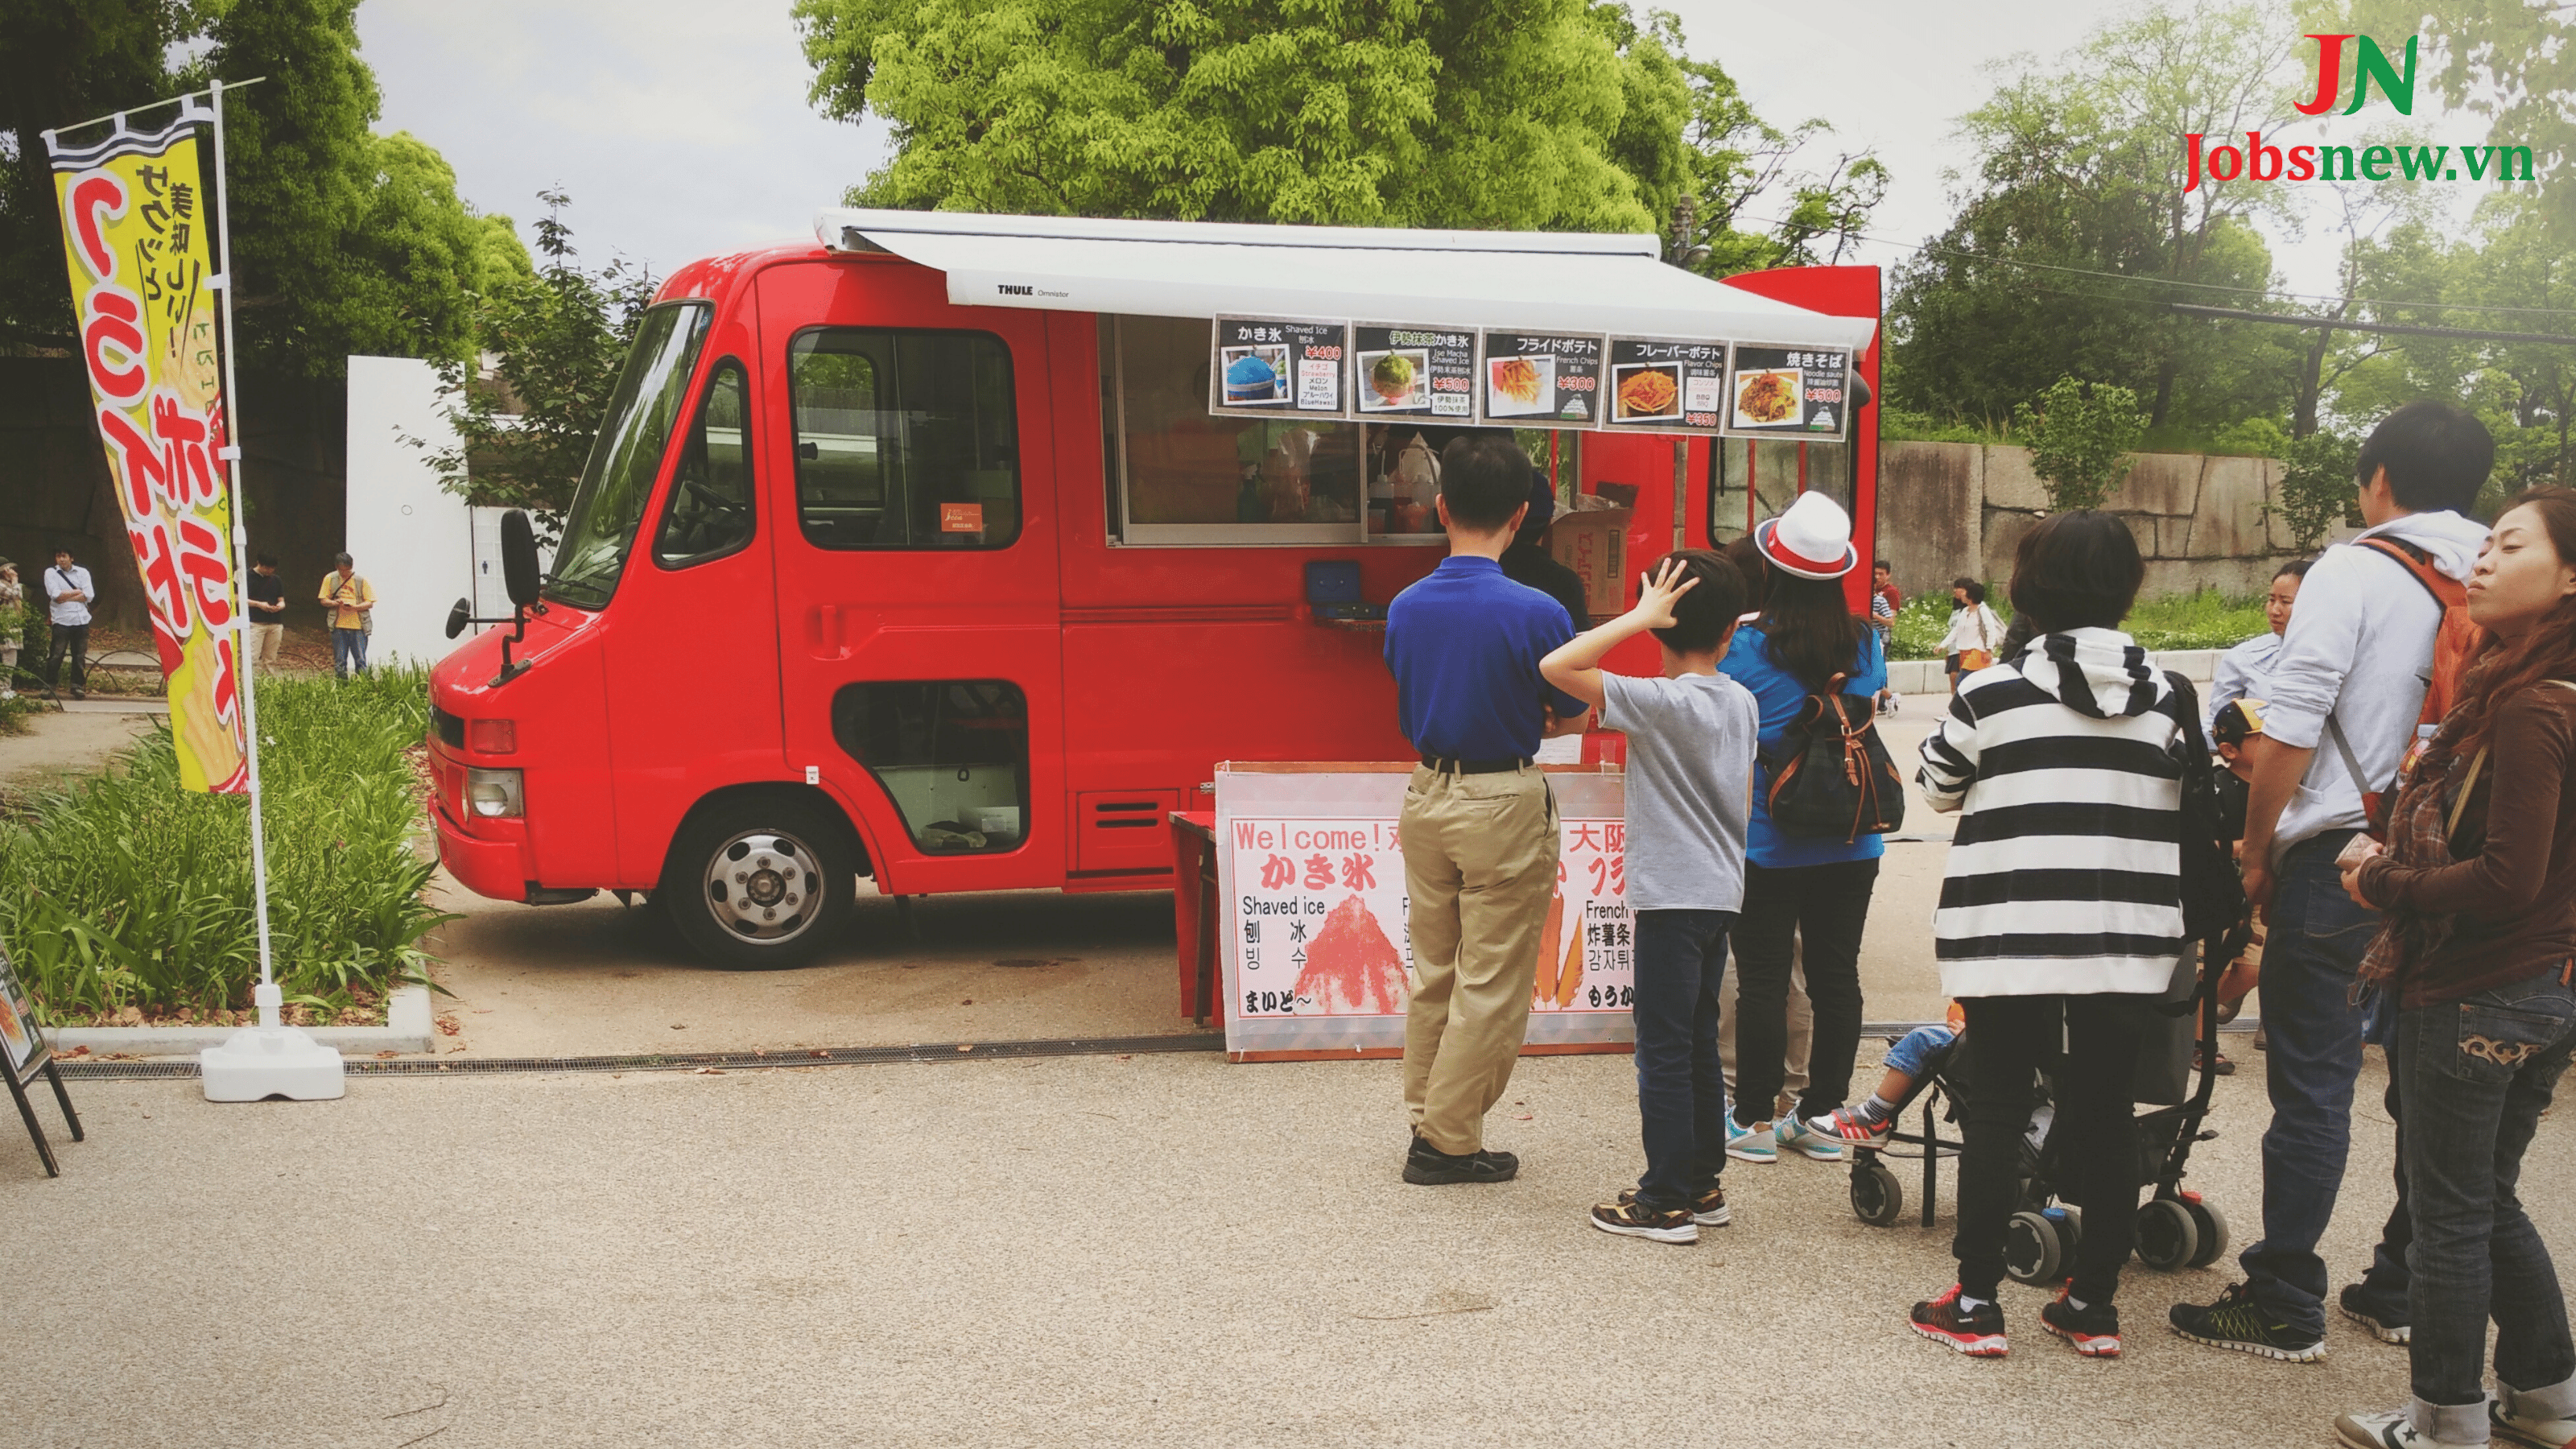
{"x": 348, "y": 651}
{"x": 2478, "y": 1073}
{"x": 2317, "y": 936}
{"x": 1681, "y": 1091}
{"x": 1920, "y": 1052}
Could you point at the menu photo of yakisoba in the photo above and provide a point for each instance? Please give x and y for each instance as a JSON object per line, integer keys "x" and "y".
{"x": 1403, "y": 371}
{"x": 1279, "y": 365}
{"x": 1542, "y": 379}
{"x": 1774, "y": 391}
{"x": 1668, "y": 385}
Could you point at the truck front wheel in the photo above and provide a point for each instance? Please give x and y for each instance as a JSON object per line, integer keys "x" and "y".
{"x": 759, "y": 883}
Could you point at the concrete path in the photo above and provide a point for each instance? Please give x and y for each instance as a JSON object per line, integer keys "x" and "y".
{"x": 59, "y": 748}
{"x": 1087, "y": 1251}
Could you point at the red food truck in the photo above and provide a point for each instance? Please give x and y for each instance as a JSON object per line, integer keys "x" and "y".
{"x": 928, "y": 553}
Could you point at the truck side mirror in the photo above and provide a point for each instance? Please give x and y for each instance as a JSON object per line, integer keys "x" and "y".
{"x": 459, "y": 617}
{"x": 518, "y": 559}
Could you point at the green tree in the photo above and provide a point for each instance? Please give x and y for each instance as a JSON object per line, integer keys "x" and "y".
{"x": 346, "y": 242}
{"x": 61, "y": 62}
{"x": 555, "y": 341}
{"x": 2316, "y": 489}
{"x": 2080, "y": 436}
{"x": 2513, "y": 61}
{"x": 2077, "y": 225}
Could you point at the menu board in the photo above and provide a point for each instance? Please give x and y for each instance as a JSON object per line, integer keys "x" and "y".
{"x": 1274, "y": 365}
{"x": 1401, "y": 371}
{"x": 1664, "y": 386}
{"x": 1540, "y": 379}
{"x": 1776, "y": 391}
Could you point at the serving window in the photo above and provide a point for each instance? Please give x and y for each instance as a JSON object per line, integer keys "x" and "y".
{"x": 1752, "y": 479}
{"x": 1177, "y": 475}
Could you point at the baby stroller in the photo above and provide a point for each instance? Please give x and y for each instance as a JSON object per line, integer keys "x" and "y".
{"x": 2177, "y": 1228}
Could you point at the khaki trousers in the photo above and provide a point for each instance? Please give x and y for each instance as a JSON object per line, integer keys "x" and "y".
{"x": 264, "y": 642}
{"x": 1479, "y": 871}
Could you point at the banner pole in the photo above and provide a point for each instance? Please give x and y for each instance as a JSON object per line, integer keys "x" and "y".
{"x": 247, "y": 667}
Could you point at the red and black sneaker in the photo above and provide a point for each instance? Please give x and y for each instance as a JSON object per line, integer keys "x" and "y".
{"x": 1978, "y": 1333}
{"x": 2094, "y": 1330}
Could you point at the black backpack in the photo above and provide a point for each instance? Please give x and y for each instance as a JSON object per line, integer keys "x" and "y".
{"x": 1831, "y": 779}
{"x": 2213, "y": 895}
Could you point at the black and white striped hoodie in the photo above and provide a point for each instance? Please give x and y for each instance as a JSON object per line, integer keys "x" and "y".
{"x": 2064, "y": 874}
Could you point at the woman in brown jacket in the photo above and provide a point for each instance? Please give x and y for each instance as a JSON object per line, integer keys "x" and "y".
{"x": 2479, "y": 883}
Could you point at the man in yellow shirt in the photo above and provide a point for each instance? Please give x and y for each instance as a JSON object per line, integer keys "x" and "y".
{"x": 348, "y": 599}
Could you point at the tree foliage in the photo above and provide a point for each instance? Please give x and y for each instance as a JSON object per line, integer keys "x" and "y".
{"x": 2513, "y": 61}
{"x": 555, "y": 342}
{"x": 2075, "y": 227}
{"x": 345, "y": 241}
{"x": 1561, "y": 114}
{"x": 2080, "y": 436}
{"x": 2316, "y": 488}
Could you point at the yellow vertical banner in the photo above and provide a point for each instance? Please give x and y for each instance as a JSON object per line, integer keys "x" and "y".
{"x": 137, "y": 225}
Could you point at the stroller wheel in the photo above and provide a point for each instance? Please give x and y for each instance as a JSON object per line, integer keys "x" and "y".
{"x": 2212, "y": 1224}
{"x": 1877, "y": 1198}
{"x": 2033, "y": 1251}
{"x": 2167, "y": 1236}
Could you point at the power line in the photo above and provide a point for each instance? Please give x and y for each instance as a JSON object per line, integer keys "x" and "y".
{"x": 2337, "y": 324}
{"x": 2175, "y": 282}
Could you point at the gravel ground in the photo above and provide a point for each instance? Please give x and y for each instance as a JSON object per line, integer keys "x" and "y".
{"x": 1163, "y": 1250}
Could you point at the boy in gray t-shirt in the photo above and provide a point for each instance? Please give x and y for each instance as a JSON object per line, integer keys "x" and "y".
{"x": 1689, "y": 793}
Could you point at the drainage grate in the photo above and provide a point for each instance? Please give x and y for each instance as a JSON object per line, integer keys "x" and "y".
{"x": 97, "y": 1070}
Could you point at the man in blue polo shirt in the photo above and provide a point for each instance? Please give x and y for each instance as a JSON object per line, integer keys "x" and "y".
{"x": 1479, "y": 827}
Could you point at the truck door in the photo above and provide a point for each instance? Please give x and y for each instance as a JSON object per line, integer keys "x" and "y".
{"x": 920, "y": 647}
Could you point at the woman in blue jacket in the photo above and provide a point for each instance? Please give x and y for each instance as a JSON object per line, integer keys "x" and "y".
{"x": 1801, "y": 894}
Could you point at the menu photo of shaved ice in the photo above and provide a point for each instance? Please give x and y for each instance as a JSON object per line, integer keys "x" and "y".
{"x": 1255, "y": 376}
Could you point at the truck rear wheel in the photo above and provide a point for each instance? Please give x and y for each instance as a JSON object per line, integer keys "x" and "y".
{"x": 758, "y": 884}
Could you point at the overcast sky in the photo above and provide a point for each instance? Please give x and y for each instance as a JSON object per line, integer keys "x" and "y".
{"x": 681, "y": 130}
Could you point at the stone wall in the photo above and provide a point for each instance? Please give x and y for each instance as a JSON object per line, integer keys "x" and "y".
{"x": 1947, "y": 509}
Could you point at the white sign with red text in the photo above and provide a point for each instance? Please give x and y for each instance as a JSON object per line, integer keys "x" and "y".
{"x": 1314, "y": 914}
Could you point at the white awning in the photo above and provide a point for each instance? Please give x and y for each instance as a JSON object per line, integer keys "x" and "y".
{"x": 1542, "y": 281}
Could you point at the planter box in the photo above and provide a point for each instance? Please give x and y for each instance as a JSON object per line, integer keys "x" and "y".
{"x": 408, "y": 1028}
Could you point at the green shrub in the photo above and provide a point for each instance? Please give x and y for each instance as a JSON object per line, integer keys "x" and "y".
{"x": 2080, "y": 435}
{"x": 123, "y": 890}
{"x": 2203, "y": 620}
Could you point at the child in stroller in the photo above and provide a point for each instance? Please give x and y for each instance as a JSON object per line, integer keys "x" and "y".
{"x": 2176, "y": 1228}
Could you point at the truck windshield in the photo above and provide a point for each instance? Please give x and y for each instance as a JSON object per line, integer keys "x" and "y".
{"x": 600, "y": 529}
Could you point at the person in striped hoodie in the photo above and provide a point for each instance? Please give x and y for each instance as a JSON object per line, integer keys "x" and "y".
{"x": 2061, "y": 912}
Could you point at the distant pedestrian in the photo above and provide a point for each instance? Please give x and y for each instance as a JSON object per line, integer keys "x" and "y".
{"x": 1479, "y": 826}
{"x": 2245, "y": 670}
{"x": 2061, "y": 914}
{"x": 1806, "y": 898}
{"x": 1884, "y": 597}
{"x": 1689, "y": 797}
{"x": 351, "y": 601}
{"x": 13, "y": 622}
{"x": 267, "y": 611}
{"x": 68, "y": 593}
{"x": 1976, "y": 631}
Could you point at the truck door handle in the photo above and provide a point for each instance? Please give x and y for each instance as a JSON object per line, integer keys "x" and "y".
{"x": 830, "y": 642}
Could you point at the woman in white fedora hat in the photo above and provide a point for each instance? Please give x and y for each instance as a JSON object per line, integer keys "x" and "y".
{"x": 1803, "y": 896}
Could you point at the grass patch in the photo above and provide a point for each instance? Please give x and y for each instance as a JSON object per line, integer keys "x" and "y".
{"x": 2203, "y": 620}
{"x": 124, "y": 894}
{"x": 16, "y": 710}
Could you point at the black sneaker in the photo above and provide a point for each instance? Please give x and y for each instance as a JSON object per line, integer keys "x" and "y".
{"x": 1428, "y": 1166}
{"x": 1630, "y": 1218}
{"x": 1978, "y": 1334}
{"x": 2386, "y": 1324}
{"x": 2237, "y": 1322}
{"x": 1708, "y": 1209}
{"x": 2094, "y": 1330}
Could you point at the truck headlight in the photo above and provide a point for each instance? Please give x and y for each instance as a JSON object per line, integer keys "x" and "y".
{"x": 496, "y": 793}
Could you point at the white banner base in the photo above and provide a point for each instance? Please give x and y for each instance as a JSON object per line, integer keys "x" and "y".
{"x": 270, "y": 1060}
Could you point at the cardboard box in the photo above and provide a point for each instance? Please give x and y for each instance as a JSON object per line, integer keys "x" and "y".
{"x": 1594, "y": 543}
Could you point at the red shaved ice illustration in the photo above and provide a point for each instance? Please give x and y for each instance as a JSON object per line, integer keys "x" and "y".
{"x": 1352, "y": 969}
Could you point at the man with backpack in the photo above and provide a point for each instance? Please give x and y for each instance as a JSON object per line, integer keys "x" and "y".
{"x": 2349, "y": 691}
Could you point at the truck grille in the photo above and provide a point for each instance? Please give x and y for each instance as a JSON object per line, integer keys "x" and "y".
{"x": 449, "y": 729}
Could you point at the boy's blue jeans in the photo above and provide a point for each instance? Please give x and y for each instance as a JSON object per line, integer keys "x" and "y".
{"x": 2477, "y": 1075}
{"x": 1921, "y": 1051}
{"x": 1681, "y": 1091}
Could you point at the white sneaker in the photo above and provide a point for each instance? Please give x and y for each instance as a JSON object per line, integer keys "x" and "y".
{"x": 1797, "y": 1135}
{"x": 2392, "y": 1430}
{"x": 1751, "y": 1144}
{"x": 2523, "y": 1429}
